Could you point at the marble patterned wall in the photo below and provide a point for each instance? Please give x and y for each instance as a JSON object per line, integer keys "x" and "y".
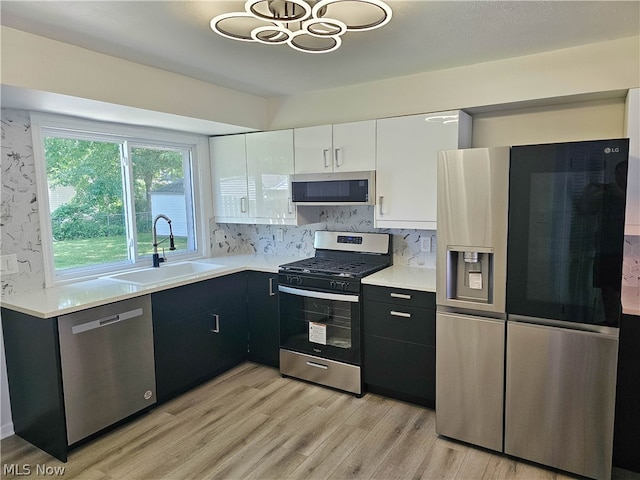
{"x": 19, "y": 219}
{"x": 298, "y": 241}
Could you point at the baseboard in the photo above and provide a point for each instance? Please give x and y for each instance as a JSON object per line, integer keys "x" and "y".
{"x": 6, "y": 430}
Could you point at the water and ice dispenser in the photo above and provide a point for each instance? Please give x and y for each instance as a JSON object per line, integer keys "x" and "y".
{"x": 470, "y": 274}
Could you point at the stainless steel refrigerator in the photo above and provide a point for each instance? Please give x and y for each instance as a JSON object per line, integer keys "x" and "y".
{"x": 528, "y": 300}
{"x": 473, "y": 188}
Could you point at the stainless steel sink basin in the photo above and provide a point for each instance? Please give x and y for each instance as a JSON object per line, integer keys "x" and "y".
{"x": 166, "y": 272}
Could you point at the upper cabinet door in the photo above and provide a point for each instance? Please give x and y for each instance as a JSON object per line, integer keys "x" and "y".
{"x": 632, "y": 128}
{"x": 313, "y": 149}
{"x": 354, "y": 146}
{"x": 344, "y": 147}
{"x": 406, "y": 165}
{"x": 269, "y": 170}
{"x": 229, "y": 176}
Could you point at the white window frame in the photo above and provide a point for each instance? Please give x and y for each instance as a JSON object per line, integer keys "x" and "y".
{"x": 43, "y": 124}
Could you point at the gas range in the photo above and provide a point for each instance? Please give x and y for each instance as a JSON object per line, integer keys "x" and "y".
{"x": 320, "y": 302}
{"x": 342, "y": 259}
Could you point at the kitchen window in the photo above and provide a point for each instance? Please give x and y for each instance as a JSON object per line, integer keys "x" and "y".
{"x": 100, "y": 187}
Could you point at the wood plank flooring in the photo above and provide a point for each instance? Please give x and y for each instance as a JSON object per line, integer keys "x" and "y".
{"x": 252, "y": 424}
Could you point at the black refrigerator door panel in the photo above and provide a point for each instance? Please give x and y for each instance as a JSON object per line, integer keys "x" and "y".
{"x": 566, "y": 231}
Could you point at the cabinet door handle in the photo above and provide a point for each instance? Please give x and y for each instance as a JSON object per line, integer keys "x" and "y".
{"x": 380, "y": 204}
{"x": 403, "y": 296}
{"x": 216, "y": 323}
{"x": 243, "y": 204}
{"x": 325, "y": 154}
{"x": 400, "y": 314}
{"x": 289, "y": 205}
{"x": 271, "y": 291}
{"x": 337, "y": 157}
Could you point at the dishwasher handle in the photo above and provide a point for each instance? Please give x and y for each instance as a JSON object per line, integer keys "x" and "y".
{"x": 106, "y": 321}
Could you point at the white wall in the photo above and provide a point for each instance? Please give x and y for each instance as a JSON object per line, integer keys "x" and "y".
{"x": 588, "y": 120}
{"x": 599, "y": 67}
{"x": 41, "y": 64}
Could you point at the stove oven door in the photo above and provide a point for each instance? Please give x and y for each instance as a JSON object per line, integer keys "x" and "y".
{"x": 324, "y": 324}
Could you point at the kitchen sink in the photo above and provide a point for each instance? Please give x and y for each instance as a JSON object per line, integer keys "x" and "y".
{"x": 165, "y": 273}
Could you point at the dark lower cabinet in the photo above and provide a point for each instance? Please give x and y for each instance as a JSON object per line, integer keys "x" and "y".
{"x": 263, "y": 319}
{"x": 200, "y": 331}
{"x": 626, "y": 434}
{"x": 399, "y": 343}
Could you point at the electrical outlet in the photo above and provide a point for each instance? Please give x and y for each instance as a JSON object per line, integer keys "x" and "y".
{"x": 425, "y": 244}
{"x": 279, "y": 235}
{"x": 219, "y": 236}
{"x": 8, "y": 264}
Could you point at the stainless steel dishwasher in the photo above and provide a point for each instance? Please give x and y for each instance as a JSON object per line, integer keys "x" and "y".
{"x": 107, "y": 365}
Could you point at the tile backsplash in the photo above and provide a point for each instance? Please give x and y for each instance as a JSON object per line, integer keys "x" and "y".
{"x": 298, "y": 241}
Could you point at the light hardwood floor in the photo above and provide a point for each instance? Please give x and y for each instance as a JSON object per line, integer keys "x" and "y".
{"x": 252, "y": 424}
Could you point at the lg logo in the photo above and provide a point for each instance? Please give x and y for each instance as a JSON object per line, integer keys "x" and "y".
{"x": 612, "y": 150}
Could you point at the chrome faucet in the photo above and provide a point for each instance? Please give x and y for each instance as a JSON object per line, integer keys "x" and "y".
{"x": 157, "y": 259}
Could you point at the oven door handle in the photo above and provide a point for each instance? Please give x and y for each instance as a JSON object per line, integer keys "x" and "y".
{"x": 340, "y": 297}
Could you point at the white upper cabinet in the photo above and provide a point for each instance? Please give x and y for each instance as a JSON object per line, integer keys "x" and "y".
{"x": 632, "y": 130}
{"x": 344, "y": 147}
{"x": 251, "y": 179}
{"x": 269, "y": 170}
{"x": 406, "y": 165}
{"x": 229, "y": 176}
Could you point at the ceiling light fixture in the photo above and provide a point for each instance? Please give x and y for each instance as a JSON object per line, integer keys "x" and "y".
{"x": 310, "y": 26}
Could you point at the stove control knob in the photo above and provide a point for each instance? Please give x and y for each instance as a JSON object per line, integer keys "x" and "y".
{"x": 345, "y": 286}
{"x": 333, "y": 284}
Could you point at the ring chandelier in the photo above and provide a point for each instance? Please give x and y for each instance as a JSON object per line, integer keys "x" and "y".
{"x": 311, "y": 26}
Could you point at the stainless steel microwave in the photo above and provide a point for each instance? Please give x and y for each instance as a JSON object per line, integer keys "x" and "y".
{"x": 343, "y": 188}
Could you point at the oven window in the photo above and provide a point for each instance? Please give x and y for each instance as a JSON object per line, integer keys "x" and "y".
{"x": 320, "y": 326}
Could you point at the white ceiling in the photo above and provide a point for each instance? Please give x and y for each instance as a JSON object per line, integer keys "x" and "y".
{"x": 422, "y": 35}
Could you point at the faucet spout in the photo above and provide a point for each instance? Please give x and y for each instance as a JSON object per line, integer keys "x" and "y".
{"x": 157, "y": 259}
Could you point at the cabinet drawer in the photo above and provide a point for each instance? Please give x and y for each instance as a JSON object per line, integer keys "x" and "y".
{"x": 408, "y": 324}
{"x": 400, "y": 296}
{"x": 400, "y": 367}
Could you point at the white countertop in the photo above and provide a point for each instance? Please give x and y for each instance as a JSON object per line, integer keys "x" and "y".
{"x": 51, "y": 302}
{"x": 400, "y": 276}
{"x": 72, "y": 297}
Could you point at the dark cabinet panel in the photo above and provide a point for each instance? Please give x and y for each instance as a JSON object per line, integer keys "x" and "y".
{"x": 263, "y": 318}
{"x": 35, "y": 381}
{"x": 626, "y": 434}
{"x": 399, "y": 343}
{"x": 401, "y": 367}
{"x": 408, "y": 324}
{"x": 400, "y": 296}
{"x": 200, "y": 330}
